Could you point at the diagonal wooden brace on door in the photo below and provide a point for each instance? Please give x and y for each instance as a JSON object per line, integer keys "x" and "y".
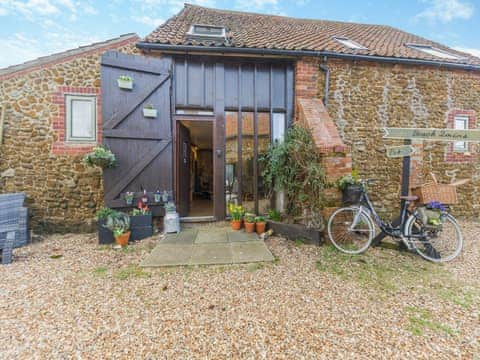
{"x": 132, "y": 173}
{"x": 137, "y": 100}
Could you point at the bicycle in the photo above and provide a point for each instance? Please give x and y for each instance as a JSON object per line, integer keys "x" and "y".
{"x": 351, "y": 229}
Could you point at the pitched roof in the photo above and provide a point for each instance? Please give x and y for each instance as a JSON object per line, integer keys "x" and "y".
{"x": 61, "y": 56}
{"x": 260, "y": 31}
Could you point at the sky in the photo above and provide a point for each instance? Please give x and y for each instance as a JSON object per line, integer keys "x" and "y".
{"x": 33, "y": 28}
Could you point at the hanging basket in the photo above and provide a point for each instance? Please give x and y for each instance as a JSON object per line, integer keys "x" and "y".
{"x": 433, "y": 191}
{"x": 352, "y": 194}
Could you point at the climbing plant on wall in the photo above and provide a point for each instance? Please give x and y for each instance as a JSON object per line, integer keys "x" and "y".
{"x": 294, "y": 167}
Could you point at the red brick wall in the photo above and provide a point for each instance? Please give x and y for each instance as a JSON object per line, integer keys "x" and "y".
{"x": 310, "y": 112}
{"x": 61, "y": 146}
{"x": 306, "y": 78}
{"x": 459, "y": 157}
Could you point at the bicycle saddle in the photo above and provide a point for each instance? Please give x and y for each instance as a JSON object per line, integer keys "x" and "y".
{"x": 409, "y": 198}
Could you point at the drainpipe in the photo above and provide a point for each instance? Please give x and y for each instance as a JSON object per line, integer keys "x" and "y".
{"x": 326, "y": 70}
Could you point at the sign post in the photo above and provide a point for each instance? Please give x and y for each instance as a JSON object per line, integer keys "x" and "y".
{"x": 407, "y": 150}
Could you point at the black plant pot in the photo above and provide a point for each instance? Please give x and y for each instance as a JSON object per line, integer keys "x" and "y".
{"x": 105, "y": 236}
{"x": 140, "y": 220}
{"x": 296, "y": 232}
{"x": 141, "y": 227}
{"x": 352, "y": 193}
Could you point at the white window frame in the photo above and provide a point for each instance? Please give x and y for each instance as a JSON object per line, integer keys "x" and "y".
{"x": 353, "y": 45}
{"x": 436, "y": 52}
{"x": 69, "y": 98}
{"x": 192, "y": 32}
{"x": 461, "y": 146}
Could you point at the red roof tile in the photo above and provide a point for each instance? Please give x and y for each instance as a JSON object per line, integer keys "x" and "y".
{"x": 251, "y": 30}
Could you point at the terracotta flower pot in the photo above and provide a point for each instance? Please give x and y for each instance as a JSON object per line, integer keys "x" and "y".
{"x": 260, "y": 227}
{"x": 122, "y": 240}
{"x": 249, "y": 227}
{"x": 236, "y": 224}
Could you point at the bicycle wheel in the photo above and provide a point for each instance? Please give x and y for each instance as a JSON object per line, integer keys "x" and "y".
{"x": 439, "y": 243}
{"x": 350, "y": 231}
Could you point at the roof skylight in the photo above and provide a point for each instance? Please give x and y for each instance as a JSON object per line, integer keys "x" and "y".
{"x": 428, "y": 49}
{"x": 349, "y": 43}
{"x": 207, "y": 31}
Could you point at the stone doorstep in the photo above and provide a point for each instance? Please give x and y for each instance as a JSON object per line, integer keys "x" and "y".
{"x": 207, "y": 254}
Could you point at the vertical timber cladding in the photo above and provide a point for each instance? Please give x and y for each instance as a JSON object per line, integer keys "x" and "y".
{"x": 241, "y": 86}
{"x": 142, "y": 146}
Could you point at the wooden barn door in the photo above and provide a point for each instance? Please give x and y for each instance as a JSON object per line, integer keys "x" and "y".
{"x": 143, "y": 146}
{"x": 183, "y": 166}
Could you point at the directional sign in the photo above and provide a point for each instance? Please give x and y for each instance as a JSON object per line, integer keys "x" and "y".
{"x": 433, "y": 134}
{"x": 400, "y": 151}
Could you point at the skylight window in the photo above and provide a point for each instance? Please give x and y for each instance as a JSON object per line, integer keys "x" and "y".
{"x": 208, "y": 31}
{"x": 430, "y": 50}
{"x": 349, "y": 43}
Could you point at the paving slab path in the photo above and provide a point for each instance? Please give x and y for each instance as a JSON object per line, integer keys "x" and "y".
{"x": 208, "y": 246}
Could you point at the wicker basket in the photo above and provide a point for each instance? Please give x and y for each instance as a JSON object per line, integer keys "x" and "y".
{"x": 433, "y": 191}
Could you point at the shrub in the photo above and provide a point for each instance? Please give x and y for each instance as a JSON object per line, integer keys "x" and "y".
{"x": 294, "y": 167}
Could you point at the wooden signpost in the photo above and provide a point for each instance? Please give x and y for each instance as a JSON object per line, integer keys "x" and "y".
{"x": 407, "y": 150}
{"x": 400, "y": 151}
{"x": 432, "y": 134}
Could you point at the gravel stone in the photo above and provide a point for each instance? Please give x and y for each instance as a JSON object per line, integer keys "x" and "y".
{"x": 95, "y": 302}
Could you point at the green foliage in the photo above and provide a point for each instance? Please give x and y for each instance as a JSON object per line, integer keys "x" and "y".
{"x": 125, "y": 78}
{"x": 274, "y": 215}
{"x": 350, "y": 179}
{"x": 236, "y": 211}
{"x": 132, "y": 271}
{"x": 118, "y": 223}
{"x": 294, "y": 166}
{"x": 104, "y": 212}
{"x": 100, "y": 156}
{"x": 249, "y": 218}
{"x": 260, "y": 219}
{"x": 143, "y": 211}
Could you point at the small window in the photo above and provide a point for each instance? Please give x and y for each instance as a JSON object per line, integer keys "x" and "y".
{"x": 278, "y": 127}
{"x": 349, "y": 43}
{"x": 430, "y": 50}
{"x": 81, "y": 122}
{"x": 461, "y": 123}
{"x": 207, "y": 31}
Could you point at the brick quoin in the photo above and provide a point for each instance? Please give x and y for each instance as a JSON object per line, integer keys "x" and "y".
{"x": 61, "y": 146}
{"x": 312, "y": 114}
{"x": 451, "y": 155}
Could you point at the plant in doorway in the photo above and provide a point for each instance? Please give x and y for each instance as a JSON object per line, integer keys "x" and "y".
{"x": 119, "y": 224}
{"x": 260, "y": 224}
{"x": 236, "y": 213}
{"x": 249, "y": 221}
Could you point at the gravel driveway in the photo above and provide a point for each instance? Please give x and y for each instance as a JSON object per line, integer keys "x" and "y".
{"x": 68, "y": 297}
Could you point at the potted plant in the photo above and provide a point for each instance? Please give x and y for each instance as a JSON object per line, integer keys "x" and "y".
{"x": 129, "y": 197}
{"x": 350, "y": 187}
{"x": 125, "y": 82}
{"x": 260, "y": 224}
{"x": 101, "y": 157}
{"x": 157, "y": 197}
{"x": 165, "y": 196}
{"x": 149, "y": 111}
{"x": 236, "y": 213}
{"x": 105, "y": 236}
{"x": 141, "y": 225}
{"x": 249, "y": 221}
{"x": 119, "y": 224}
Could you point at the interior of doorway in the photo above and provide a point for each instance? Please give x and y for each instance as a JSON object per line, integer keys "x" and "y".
{"x": 199, "y": 186}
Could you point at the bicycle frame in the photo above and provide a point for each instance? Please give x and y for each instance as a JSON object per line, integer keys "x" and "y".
{"x": 366, "y": 205}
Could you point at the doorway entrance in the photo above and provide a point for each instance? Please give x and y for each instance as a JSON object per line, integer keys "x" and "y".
{"x": 195, "y": 168}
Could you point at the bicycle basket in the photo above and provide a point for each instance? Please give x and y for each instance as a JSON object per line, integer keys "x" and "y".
{"x": 433, "y": 191}
{"x": 352, "y": 194}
